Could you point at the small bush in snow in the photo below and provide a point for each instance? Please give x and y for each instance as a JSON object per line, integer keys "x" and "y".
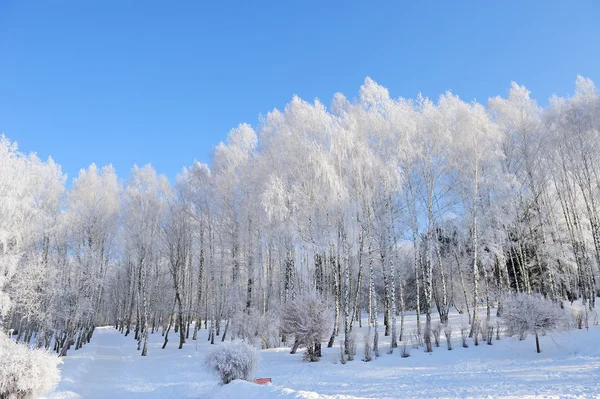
{"x": 235, "y": 360}
{"x": 26, "y": 373}
{"x": 342, "y": 357}
{"x": 436, "y": 331}
{"x": 417, "y": 339}
{"x": 390, "y": 349}
{"x": 578, "y": 316}
{"x": 475, "y": 328}
{"x": 448, "y": 335}
{"x": 427, "y": 337}
{"x": 526, "y": 314}
{"x": 463, "y": 335}
{"x": 404, "y": 349}
{"x": 483, "y": 330}
{"x": 368, "y": 350}
{"x": 245, "y": 326}
{"x": 490, "y": 333}
{"x": 250, "y": 327}
{"x": 581, "y": 316}
{"x": 487, "y": 332}
{"x": 351, "y": 346}
{"x": 269, "y": 330}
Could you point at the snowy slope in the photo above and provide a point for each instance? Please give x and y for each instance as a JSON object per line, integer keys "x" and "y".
{"x": 568, "y": 367}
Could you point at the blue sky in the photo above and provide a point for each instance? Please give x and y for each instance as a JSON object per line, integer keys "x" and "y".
{"x": 127, "y": 82}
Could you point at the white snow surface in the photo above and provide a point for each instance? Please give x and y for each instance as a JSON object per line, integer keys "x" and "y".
{"x": 568, "y": 367}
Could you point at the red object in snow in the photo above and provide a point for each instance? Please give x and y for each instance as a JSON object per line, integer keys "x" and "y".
{"x": 261, "y": 381}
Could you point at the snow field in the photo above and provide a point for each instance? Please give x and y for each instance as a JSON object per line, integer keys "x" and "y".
{"x": 568, "y": 367}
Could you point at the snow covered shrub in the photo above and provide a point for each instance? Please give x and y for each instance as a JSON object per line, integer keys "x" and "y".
{"x": 526, "y": 314}
{"x": 463, "y": 335}
{"x": 368, "y": 350}
{"x": 577, "y": 312}
{"x": 404, "y": 349}
{"x": 342, "y": 357}
{"x": 24, "y": 372}
{"x": 351, "y": 346}
{"x": 269, "y": 330}
{"x": 417, "y": 339}
{"x": 254, "y": 326}
{"x": 581, "y": 316}
{"x": 390, "y": 348}
{"x": 483, "y": 330}
{"x": 436, "y": 331}
{"x": 427, "y": 337}
{"x": 487, "y": 332}
{"x": 234, "y": 360}
{"x": 475, "y": 328}
{"x": 244, "y": 326}
{"x": 448, "y": 335}
{"x": 309, "y": 320}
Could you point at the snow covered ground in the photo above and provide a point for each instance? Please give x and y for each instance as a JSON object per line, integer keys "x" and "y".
{"x": 568, "y": 367}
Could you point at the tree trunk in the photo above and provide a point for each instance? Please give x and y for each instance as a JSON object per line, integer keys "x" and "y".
{"x": 374, "y": 299}
{"x": 338, "y": 299}
{"x": 475, "y": 265}
{"x": 170, "y": 323}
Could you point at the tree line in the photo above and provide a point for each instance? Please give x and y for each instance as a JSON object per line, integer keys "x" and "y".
{"x": 373, "y": 206}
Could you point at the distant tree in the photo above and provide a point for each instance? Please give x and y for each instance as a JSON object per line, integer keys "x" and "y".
{"x": 143, "y": 208}
{"x": 91, "y": 222}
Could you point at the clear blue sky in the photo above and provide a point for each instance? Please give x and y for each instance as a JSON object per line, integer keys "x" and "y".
{"x": 127, "y": 82}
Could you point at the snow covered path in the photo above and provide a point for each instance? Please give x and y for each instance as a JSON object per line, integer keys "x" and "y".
{"x": 568, "y": 367}
{"x": 110, "y": 367}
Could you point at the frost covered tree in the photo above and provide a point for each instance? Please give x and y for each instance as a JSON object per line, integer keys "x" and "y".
{"x": 27, "y": 206}
{"x": 474, "y": 159}
{"x": 532, "y": 314}
{"x": 377, "y": 205}
{"x": 26, "y": 373}
{"x": 143, "y": 208}
{"x": 307, "y": 318}
{"x": 92, "y": 219}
